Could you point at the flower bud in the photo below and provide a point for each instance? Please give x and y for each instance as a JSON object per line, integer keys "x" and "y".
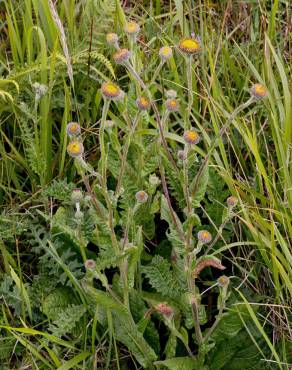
{"x": 76, "y": 196}
{"x": 141, "y": 196}
{"x": 232, "y": 201}
{"x": 90, "y": 264}
{"x": 79, "y": 215}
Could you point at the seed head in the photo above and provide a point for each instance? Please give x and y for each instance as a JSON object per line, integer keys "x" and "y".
{"x": 112, "y": 38}
{"x": 166, "y": 310}
{"x": 191, "y": 137}
{"x": 73, "y": 129}
{"x": 165, "y": 52}
{"x": 259, "y": 91}
{"x": 172, "y": 105}
{"x": 90, "y": 264}
{"x": 121, "y": 56}
{"x": 143, "y": 103}
{"x": 141, "y": 196}
{"x": 223, "y": 281}
{"x": 132, "y": 28}
{"x": 204, "y": 236}
{"x": 111, "y": 91}
{"x": 231, "y": 201}
{"x": 190, "y": 46}
{"x": 75, "y": 149}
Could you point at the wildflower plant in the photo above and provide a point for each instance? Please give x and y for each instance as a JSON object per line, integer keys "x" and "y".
{"x": 132, "y": 245}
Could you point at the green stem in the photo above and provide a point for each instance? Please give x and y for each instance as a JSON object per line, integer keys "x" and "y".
{"x": 190, "y": 85}
{"x": 125, "y": 153}
{"x": 215, "y": 141}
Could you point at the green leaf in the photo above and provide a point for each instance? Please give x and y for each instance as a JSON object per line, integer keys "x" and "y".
{"x": 179, "y": 363}
{"x": 198, "y": 187}
{"x": 74, "y": 361}
{"x": 162, "y": 279}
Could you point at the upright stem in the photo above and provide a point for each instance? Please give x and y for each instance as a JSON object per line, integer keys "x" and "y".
{"x": 190, "y": 85}
{"x": 215, "y": 141}
{"x": 125, "y": 153}
{"x": 101, "y": 143}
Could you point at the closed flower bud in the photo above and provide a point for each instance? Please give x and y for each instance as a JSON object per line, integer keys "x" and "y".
{"x": 165, "y": 52}
{"x": 172, "y": 105}
{"x": 76, "y": 196}
{"x": 259, "y": 91}
{"x": 232, "y": 201}
{"x": 75, "y": 149}
{"x": 165, "y": 310}
{"x": 181, "y": 155}
{"x": 204, "y": 236}
{"x": 143, "y": 103}
{"x": 109, "y": 124}
{"x": 191, "y": 137}
{"x": 90, "y": 264}
{"x": 190, "y": 46}
{"x": 154, "y": 180}
{"x": 73, "y": 129}
{"x": 141, "y": 196}
{"x": 132, "y": 28}
{"x": 121, "y": 56}
{"x": 171, "y": 94}
{"x": 79, "y": 215}
{"x": 111, "y": 91}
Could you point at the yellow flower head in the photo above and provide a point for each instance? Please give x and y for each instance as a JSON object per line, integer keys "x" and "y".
{"x": 112, "y": 38}
{"x": 132, "y": 28}
{"x": 165, "y": 52}
{"x": 75, "y": 149}
{"x": 204, "y": 236}
{"x": 172, "y": 105}
{"x": 111, "y": 91}
{"x": 190, "y": 46}
{"x": 232, "y": 201}
{"x": 191, "y": 136}
{"x": 73, "y": 129}
{"x": 223, "y": 281}
{"x": 143, "y": 103}
{"x": 259, "y": 91}
{"x": 121, "y": 56}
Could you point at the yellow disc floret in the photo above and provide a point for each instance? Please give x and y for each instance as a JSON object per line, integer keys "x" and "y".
{"x": 191, "y": 137}
{"x": 132, "y": 28}
{"x": 165, "y": 52}
{"x": 259, "y": 91}
{"x": 143, "y": 103}
{"x": 73, "y": 129}
{"x": 172, "y": 105}
{"x": 190, "y": 46}
{"x": 110, "y": 90}
{"x": 75, "y": 149}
